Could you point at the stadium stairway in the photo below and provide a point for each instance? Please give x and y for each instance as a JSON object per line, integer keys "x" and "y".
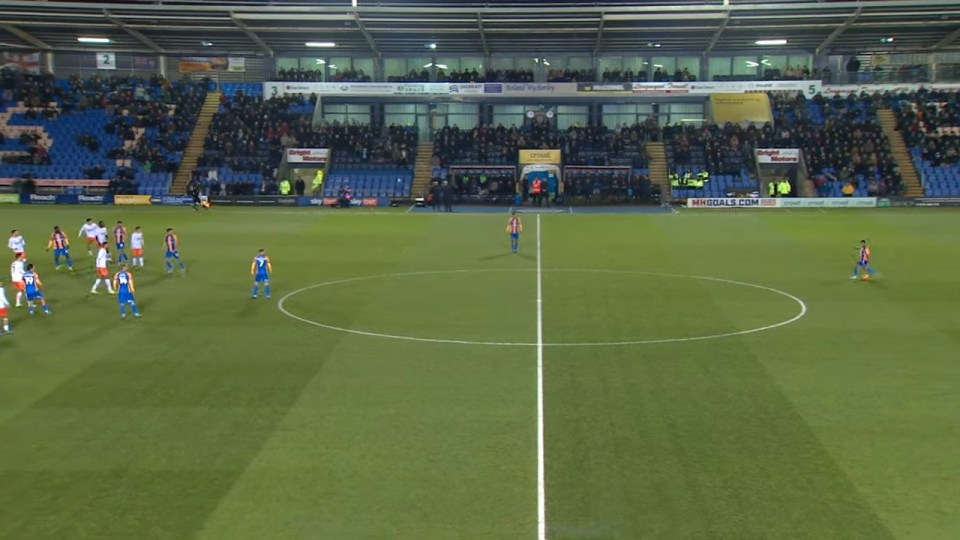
{"x": 657, "y": 153}
{"x": 423, "y": 169}
{"x": 901, "y": 154}
{"x": 195, "y": 147}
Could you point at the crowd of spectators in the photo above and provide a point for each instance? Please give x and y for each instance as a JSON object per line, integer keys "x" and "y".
{"x": 659, "y": 75}
{"x": 124, "y": 182}
{"x": 579, "y": 185}
{"x": 930, "y": 121}
{"x": 316, "y": 75}
{"x": 153, "y": 118}
{"x": 155, "y": 127}
{"x": 605, "y": 185}
{"x": 33, "y": 90}
{"x": 483, "y": 183}
{"x": 467, "y": 75}
{"x": 249, "y": 135}
{"x": 389, "y": 146}
{"x": 841, "y": 140}
{"x": 588, "y": 145}
{"x": 878, "y": 74}
{"x": 717, "y": 149}
{"x": 571, "y": 75}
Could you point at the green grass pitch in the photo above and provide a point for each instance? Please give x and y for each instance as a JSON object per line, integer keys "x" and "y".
{"x": 217, "y": 416}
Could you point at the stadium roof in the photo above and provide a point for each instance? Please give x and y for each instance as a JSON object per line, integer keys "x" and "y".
{"x": 498, "y": 27}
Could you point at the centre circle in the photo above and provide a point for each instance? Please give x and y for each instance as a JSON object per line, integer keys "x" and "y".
{"x": 581, "y": 307}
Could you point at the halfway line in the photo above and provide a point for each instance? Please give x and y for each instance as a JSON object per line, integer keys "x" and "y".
{"x": 541, "y": 473}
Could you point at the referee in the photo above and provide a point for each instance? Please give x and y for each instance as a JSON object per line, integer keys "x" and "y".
{"x": 193, "y": 189}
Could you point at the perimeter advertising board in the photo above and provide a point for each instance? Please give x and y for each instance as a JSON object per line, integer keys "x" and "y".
{"x": 767, "y": 202}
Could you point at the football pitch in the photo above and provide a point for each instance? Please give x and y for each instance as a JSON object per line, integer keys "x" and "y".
{"x": 703, "y": 374}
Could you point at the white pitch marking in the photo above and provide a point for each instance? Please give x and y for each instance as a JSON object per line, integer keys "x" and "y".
{"x": 541, "y": 470}
{"x": 802, "y": 313}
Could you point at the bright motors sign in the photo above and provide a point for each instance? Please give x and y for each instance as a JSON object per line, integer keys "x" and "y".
{"x": 308, "y": 155}
{"x": 778, "y": 155}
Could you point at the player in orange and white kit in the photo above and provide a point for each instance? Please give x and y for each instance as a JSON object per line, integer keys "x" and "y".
{"x": 17, "y": 244}
{"x": 136, "y": 248}
{"x": 103, "y": 274}
{"x": 4, "y": 307}
{"x": 89, "y": 229}
{"x": 16, "y": 277}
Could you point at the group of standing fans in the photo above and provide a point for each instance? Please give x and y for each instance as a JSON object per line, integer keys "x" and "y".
{"x": 689, "y": 180}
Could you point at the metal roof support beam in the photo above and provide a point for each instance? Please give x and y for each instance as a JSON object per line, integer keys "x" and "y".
{"x": 953, "y": 36}
{"x": 136, "y": 34}
{"x": 599, "y": 42}
{"x": 716, "y": 35}
{"x": 839, "y": 30}
{"x": 252, "y": 35}
{"x": 366, "y": 35}
{"x": 26, "y": 37}
{"x": 64, "y": 8}
{"x": 483, "y": 37}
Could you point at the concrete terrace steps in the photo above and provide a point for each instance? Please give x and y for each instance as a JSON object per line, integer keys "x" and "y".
{"x": 422, "y": 169}
{"x": 900, "y": 152}
{"x": 191, "y": 155}
{"x": 657, "y": 154}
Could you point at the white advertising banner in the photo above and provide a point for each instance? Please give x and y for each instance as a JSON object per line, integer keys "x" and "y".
{"x": 489, "y": 90}
{"x": 732, "y": 202}
{"x": 503, "y": 89}
{"x": 237, "y": 64}
{"x": 788, "y": 202}
{"x": 829, "y": 202}
{"x": 317, "y": 156}
{"x": 778, "y": 155}
{"x": 809, "y": 88}
{"x": 847, "y": 89}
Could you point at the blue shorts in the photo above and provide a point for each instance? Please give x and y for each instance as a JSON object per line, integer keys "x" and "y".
{"x": 61, "y": 253}
{"x": 121, "y": 245}
{"x": 173, "y": 254}
{"x": 125, "y": 298}
{"x": 514, "y": 236}
{"x": 34, "y": 295}
{"x": 864, "y": 263}
{"x": 260, "y": 278}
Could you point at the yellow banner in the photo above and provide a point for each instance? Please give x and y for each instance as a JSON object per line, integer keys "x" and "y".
{"x": 540, "y": 156}
{"x": 135, "y": 200}
{"x": 740, "y": 108}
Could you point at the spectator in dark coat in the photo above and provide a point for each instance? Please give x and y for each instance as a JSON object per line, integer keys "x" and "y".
{"x": 446, "y": 195}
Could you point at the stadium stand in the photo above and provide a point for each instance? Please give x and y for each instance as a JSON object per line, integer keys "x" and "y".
{"x": 841, "y": 138}
{"x": 930, "y": 124}
{"x": 231, "y": 89}
{"x": 492, "y": 75}
{"x": 316, "y": 75}
{"x": 248, "y": 135}
{"x": 592, "y": 145}
{"x": 598, "y": 161}
{"x": 64, "y": 133}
